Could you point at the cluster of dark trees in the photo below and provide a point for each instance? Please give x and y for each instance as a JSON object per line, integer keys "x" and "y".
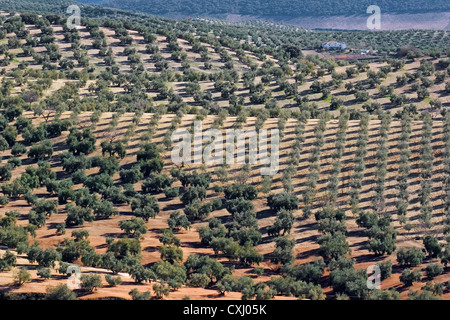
{"x": 236, "y": 238}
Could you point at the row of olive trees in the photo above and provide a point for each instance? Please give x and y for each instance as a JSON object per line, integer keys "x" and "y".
{"x": 446, "y": 177}
{"x": 359, "y": 167}
{"x": 153, "y": 125}
{"x": 176, "y": 121}
{"x": 403, "y": 169}
{"x": 378, "y": 200}
{"x": 314, "y": 167}
{"x": 333, "y": 178}
{"x": 426, "y": 166}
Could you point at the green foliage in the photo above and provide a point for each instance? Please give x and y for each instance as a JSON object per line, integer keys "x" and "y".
{"x": 307, "y": 272}
{"x": 171, "y": 193}
{"x": 140, "y": 273}
{"x": 107, "y": 165}
{"x": 174, "y": 274}
{"x": 145, "y": 207}
{"x": 247, "y": 192}
{"x": 434, "y": 270}
{"x": 90, "y": 282}
{"x": 425, "y": 295}
{"x": 136, "y": 295}
{"x": 15, "y": 162}
{"x": 384, "y": 295}
{"x": 177, "y": 221}
{"x": 283, "y": 252}
{"x": 282, "y": 201}
{"x": 198, "y": 280}
{"x": 367, "y": 219}
{"x": 10, "y": 135}
{"x": 5, "y": 172}
{"x": 193, "y": 179}
{"x": 3, "y": 200}
{"x": 283, "y": 223}
{"x": 239, "y": 206}
{"x": 408, "y": 277}
{"x": 198, "y": 211}
{"x": 214, "y": 229}
{"x": 435, "y": 288}
{"x": 81, "y": 142}
{"x": 77, "y": 215}
{"x": 32, "y": 134}
{"x": 121, "y": 248}
{"x": 10, "y": 234}
{"x": 382, "y": 239}
{"x": 385, "y": 269}
{"x": 44, "y": 273}
{"x": 60, "y": 292}
{"x": 72, "y": 163}
{"x": 98, "y": 183}
{"x": 60, "y": 228}
{"x": 72, "y": 250}
{"x": 160, "y": 290}
{"x": 287, "y": 286}
{"x": 432, "y": 246}
{"x": 18, "y": 149}
{"x": 103, "y": 209}
{"x": 44, "y": 257}
{"x": 115, "y": 148}
{"x": 41, "y": 151}
{"x": 156, "y": 183}
{"x": 132, "y": 175}
{"x": 333, "y": 246}
{"x": 171, "y": 253}
{"x": 7, "y": 261}
{"x": 193, "y": 194}
{"x": 135, "y": 227}
{"x": 410, "y": 257}
{"x": 147, "y": 152}
{"x": 21, "y": 276}
{"x": 345, "y": 279}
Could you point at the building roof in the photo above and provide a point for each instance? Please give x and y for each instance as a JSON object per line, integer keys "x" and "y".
{"x": 333, "y": 43}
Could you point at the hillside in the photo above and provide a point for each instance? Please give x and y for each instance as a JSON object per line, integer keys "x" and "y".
{"x": 87, "y": 178}
{"x": 298, "y": 8}
{"x": 118, "y": 68}
{"x": 304, "y": 230}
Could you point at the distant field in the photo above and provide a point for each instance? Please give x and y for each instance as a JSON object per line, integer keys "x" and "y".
{"x": 389, "y": 21}
{"x": 304, "y": 231}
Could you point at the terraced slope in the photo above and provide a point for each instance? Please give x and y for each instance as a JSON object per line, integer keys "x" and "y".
{"x": 87, "y": 117}
{"x": 202, "y": 72}
{"x": 304, "y": 231}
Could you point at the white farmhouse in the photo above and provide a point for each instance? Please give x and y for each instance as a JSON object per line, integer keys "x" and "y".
{"x": 334, "y": 45}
